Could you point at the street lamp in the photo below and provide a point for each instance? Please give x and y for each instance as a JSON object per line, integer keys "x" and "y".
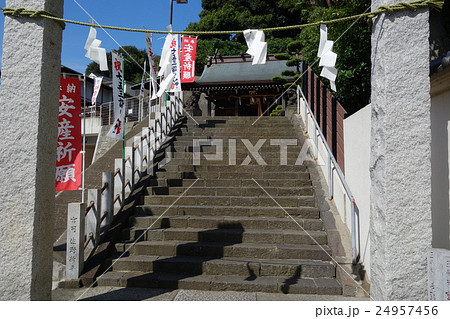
{"x": 171, "y": 9}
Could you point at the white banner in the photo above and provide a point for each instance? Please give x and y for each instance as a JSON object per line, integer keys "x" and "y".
{"x": 117, "y": 129}
{"x": 97, "y": 85}
{"x": 175, "y": 64}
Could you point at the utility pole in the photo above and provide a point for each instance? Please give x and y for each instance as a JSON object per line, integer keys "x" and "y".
{"x": 171, "y": 10}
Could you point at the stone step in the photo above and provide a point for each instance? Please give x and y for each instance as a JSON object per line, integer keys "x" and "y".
{"x": 258, "y": 175}
{"x": 232, "y": 191}
{"x": 318, "y": 286}
{"x": 227, "y": 235}
{"x": 239, "y": 149}
{"x": 209, "y": 167}
{"x": 235, "y": 211}
{"x": 295, "y": 268}
{"x": 211, "y": 182}
{"x": 272, "y": 159}
{"x": 240, "y": 156}
{"x": 241, "y": 119}
{"x": 267, "y": 223}
{"x": 218, "y": 250}
{"x": 236, "y": 135}
{"x": 255, "y": 201}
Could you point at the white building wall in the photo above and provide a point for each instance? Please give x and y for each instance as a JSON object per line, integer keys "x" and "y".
{"x": 357, "y": 175}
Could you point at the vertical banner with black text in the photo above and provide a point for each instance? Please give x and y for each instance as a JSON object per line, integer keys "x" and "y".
{"x": 117, "y": 128}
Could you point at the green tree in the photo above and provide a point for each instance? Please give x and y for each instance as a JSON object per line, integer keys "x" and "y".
{"x": 133, "y": 64}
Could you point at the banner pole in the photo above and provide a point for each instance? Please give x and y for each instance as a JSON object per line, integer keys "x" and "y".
{"x": 84, "y": 140}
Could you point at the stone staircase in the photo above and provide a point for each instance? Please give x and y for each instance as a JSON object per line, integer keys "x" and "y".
{"x": 214, "y": 226}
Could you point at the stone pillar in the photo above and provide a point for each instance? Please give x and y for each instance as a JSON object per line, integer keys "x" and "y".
{"x": 29, "y": 115}
{"x": 400, "y": 224}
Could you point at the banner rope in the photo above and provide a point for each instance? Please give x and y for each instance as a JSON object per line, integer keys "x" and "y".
{"x": 401, "y": 6}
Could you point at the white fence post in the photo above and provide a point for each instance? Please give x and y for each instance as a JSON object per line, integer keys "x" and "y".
{"x": 75, "y": 240}
{"x": 119, "y": 182}
{"x": 128, "y": 170}
{"x": 137, "y": 163}
{"x": 145, "y": 145}
{"x": 107, "y": 198}
{"x": 93, "y": 216}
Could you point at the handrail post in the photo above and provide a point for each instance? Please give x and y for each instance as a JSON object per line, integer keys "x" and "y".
{"x": 353, "y": 218}
{"x": 75, "y": 240}
{"x": 298, "y": 99}
{"x": 145, "y": 145}
{"x": 158, "y": 131}
{"x": 93, "y": 216}
{"x": 128, "y": 175}
{"x": 137, "y": 154}
{"x": 107, "y": 196}
{"x": 119, "y": 181}
{"x": 151, "y": 153}
{"x": 316, "y": 143}
{"x": 330, "y": 178}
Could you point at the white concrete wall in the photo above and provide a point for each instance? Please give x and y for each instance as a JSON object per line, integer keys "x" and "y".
{"x": 357, "y": 174}
{"x": 440, "y": 185}
{"x": 93, "y": 125}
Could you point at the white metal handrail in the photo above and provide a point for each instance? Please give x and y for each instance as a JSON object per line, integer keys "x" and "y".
{"x": 332, "y": 163}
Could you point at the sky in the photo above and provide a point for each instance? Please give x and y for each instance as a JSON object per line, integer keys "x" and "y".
{"x": 151, "y": 14}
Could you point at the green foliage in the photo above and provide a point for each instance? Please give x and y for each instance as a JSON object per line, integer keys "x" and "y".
{"x": 277, "y": 110}
{"x": 295, "y": 47}
{"x": 288, "y": 73}
{"x": 282, "y": 56}
{"x": 279, "y": 80}
{"x": 132, "y": 71}
{"x": 294, "y": 61}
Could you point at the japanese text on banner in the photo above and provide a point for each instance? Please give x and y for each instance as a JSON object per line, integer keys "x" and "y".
{"x": 117, "y": 128}
{"x": 97, "y": 87}
{"x": 188, "y": 53}
{"x": 69, "y": 145}
{"x": 175, "y": 64}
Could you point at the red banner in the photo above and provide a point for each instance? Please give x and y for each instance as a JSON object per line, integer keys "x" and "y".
{"x": 188, "y": 52}
{"x": 69, "y": 146}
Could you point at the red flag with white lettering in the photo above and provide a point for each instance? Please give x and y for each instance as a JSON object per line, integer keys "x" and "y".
{"x": 69, "y": 159}
{"x": 188, "y": 52}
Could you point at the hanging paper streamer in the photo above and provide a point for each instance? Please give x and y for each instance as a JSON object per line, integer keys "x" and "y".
{"x": 257, "y": 47}
{"x": 97, "y": 85}
{"x": 94, "y": 52}
{"x": 327, "y": 57}
{"x": 116, "y": 130}
{"x": 188, "y": 53}
{"x": 69, "y": 146}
